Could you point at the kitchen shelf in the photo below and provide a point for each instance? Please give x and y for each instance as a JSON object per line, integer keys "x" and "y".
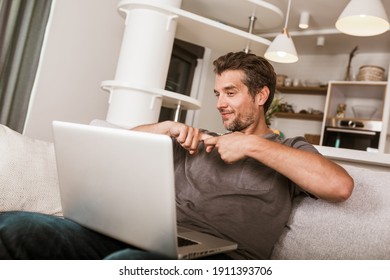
{"x": 300, "y": 116}
{"x": 303, "y": 90}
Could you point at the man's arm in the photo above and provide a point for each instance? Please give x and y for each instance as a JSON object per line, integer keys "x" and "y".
{"x": 312, "y": 172}
{"x": 188, "y": 137}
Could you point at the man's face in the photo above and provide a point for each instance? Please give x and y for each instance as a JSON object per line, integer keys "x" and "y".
{"x": 237, "y": 107}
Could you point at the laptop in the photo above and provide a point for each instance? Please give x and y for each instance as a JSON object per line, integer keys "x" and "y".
{"x": 121, "y": 183}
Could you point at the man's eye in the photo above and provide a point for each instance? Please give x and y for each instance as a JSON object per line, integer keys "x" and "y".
{"x": 230, "y": 93}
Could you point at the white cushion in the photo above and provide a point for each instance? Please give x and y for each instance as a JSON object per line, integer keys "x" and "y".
{"x": 28, "y": 179}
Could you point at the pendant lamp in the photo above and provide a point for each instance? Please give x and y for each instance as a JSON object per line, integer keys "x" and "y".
{"x": 363, "y": 18}
{"x": 282, "y": 48}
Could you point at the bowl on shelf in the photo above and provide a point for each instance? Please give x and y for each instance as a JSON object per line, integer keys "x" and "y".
{"x": 363, "y": 111}
{"x": 371, "y": 73}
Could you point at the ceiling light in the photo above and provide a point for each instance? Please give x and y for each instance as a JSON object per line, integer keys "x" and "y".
{"x": 304, "y": 20}
{"x": 282, "y": 48}
{"x": 320, "y": 41}
{"x": 363, "y": 18}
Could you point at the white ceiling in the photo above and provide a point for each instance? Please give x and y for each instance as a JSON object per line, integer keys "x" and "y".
{"x": 323, "y": 15}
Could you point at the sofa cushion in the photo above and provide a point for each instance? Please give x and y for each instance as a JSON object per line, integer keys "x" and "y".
{"x": 358, "y": 228}
{"x": 28, "y": 179}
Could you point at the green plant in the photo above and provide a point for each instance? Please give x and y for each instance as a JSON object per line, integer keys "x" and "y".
{"x": 272, "y": 110}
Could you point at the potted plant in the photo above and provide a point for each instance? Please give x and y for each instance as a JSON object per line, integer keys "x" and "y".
{"x": 270, "y": 114}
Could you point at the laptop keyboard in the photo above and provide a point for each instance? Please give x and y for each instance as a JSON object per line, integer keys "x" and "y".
{"x": 181, "y": 242}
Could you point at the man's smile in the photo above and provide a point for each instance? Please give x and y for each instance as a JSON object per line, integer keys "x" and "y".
{"x": 226, "y": 114}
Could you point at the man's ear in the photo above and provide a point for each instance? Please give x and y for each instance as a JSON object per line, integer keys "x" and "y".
{"x": 262, "y": 96}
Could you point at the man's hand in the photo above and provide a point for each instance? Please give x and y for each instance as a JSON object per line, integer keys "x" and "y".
{"x": 230, "y": 146}
{"x": 187, "y": 136}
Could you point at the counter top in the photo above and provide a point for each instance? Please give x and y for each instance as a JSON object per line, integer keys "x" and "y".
{"x": 355, "y": 156}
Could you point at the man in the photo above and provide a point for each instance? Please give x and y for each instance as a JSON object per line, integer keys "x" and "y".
{"x": 238, "y": 186}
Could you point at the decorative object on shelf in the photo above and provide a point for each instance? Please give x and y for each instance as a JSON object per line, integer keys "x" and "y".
{"x": 286, "y": 108}
{"x": 280, "y": 80}
{"x": 371, "y": 73}
{"x": 341, "y": 110}
{"x": 282, "y": 48}
{"x": 363, "y": 18}
{"x": 348, "y": 74}
{"x": 363, "y": 111}
{"x": 287, "y": 82}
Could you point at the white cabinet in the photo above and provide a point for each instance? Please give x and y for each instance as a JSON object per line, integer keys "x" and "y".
{"x": 352, "y": 131}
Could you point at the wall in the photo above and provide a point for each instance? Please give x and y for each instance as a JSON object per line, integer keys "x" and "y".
{"x": 81, "y": 50}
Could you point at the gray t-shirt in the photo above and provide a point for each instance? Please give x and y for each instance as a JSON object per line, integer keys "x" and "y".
{"x": 246, "y": 202}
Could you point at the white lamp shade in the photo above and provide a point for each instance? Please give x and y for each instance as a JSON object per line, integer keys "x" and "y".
{"x": 282, "y": 49}
{"x": 363, "y": 18}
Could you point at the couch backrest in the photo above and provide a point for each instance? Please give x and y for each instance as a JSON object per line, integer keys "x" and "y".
{"x": 28, "y": 174}
{"x": 358, "y": 228}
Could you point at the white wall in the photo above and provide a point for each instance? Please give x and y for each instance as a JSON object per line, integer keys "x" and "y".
{"x": 81, "y": 50}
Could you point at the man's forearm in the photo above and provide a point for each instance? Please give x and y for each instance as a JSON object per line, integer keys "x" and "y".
{"x": 314, "y": 173}
{"x": 157, "y": 128}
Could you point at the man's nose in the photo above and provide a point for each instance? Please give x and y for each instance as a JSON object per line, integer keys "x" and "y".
{"x": 221, "y": 102}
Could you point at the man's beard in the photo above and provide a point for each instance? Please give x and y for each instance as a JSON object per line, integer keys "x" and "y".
{"x": 240, "y": 124}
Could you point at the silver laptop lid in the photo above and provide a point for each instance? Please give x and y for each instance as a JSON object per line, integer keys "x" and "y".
{"x": 118, "y": 182}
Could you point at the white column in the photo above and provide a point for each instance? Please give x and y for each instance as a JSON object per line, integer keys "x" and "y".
{"x": 143, "y": 62}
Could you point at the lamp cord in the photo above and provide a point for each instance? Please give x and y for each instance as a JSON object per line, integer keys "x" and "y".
{"x": 288, "y": 13}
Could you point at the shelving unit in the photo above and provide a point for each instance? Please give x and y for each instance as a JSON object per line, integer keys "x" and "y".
{"x": 359, "y": 93}
{"x": 137, "y": 91}
{"x": 321, "y": 91}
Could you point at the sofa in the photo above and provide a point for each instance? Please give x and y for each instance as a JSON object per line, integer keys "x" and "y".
{"x": 358, "y": 228}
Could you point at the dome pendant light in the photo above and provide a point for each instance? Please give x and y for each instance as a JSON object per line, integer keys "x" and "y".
{"x": 363, "y": 18}
{"x": 282, "y": 48}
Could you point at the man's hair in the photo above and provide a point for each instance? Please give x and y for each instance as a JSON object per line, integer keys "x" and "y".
{"x": 258, "y": 72}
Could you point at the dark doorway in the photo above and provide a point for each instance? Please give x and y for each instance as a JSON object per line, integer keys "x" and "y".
{"x": 181, "y": 74}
